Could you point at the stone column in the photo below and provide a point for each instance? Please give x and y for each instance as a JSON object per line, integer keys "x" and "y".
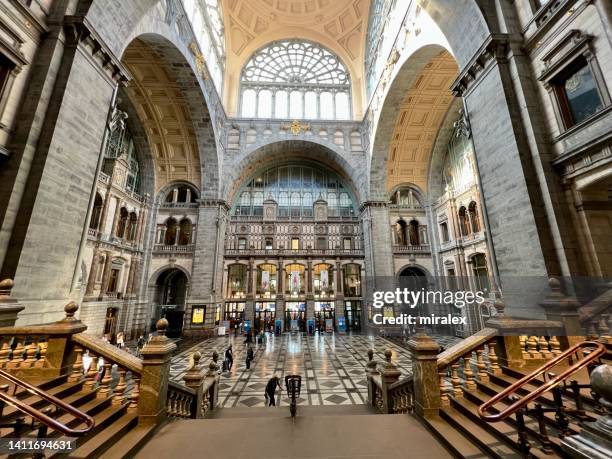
{"x": 113, "y": 229}
{"x": 156, "y": 356}
{"x": 207, "y": 278}
{"x": 378, "y": 249}
{"x": 93, "y": 272}
{"x": 108, "y": 261}
{"x": 424, "y": 352}
{"x": 604, "y": 8}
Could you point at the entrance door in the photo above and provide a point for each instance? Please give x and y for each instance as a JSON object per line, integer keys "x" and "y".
{"x": 110, "y": 324}
{"x": 352, "y": 312}
{"x": 323, "y": 312}
{"x": 265, "y": 313}
{"x": 175, "y": 322}
{"x": 295, "y": 311}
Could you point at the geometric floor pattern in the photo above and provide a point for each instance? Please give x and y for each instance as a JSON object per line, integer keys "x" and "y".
{"x": 332, "y": 366}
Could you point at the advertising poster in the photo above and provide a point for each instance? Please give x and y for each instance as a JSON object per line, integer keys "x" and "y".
{"x": 295, "y": 281}
{"x": 329, "y": 325}
{"x": 197, "y": 316}
{"x": 265, "y": 280}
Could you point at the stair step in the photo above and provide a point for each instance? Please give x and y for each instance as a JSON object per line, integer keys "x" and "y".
{"x": 503, "y": 430}
{"x": 283, "y": 411}
{"x": 453, "y": 440}
{"x": 477, "y": 434}
{"x": 130, "y": 444}
{"x": 60, "y": 391}
{"x": 105, "y": 439}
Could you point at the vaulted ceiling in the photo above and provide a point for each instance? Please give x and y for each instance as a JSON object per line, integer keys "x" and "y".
{"x": 162, "y": 109}
{"x": 339, "y": 25}
{"x": 421, "y": 114}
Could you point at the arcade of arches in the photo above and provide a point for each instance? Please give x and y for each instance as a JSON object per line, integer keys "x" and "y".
{"x": 239, "y": 166}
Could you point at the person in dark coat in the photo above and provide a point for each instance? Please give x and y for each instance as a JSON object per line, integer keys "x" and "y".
{"x": 250, "y": 355}
{"x": 271, "y": 389}
{"x": 229, "y": 357}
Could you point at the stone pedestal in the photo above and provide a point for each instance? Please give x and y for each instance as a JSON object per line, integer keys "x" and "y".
{"x": 156, "y": 355}
{"x": 564, "y": 309}
{"x": 424, "y": 352}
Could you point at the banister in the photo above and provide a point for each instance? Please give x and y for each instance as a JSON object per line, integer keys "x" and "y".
{"x": 108, "y": 351}
{"x": 548, "y": 385}
{"x": 42, "y": 417}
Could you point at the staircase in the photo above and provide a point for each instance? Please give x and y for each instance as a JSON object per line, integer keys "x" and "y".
{"x": 460, "y": 428}
{"x": 316, "y": 432}
{"x": 113, "y": 420}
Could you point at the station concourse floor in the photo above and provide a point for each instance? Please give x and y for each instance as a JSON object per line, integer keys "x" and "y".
{"x": 332, "y": 366}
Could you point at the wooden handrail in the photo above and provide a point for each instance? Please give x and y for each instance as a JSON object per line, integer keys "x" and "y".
{"x": 42, "y": 417}
{"x": 548, "y": 385}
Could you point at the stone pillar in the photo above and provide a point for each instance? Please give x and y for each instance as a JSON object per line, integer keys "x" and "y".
{"x": 93, "y": 272}
{"x": 378, "y": 249}
{"x": 156, "y": 355}
{"x": 424, "y": 352}
{"x": 51, "y": 128}
{"x": 108, "y": 261}
{"x": 113, "y": 229}
{"x": 604, "y": 8}
{"x": 595, "y": 438}
{"x": 207, "y": 278}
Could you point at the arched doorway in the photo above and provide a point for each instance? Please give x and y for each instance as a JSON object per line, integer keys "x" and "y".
{"x": 170, "y": 294}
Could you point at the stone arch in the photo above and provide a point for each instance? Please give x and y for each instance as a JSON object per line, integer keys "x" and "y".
{"x": 155, "y": 276}
{"x": 428, "y": 275}
{"x": 173, "y": 109}
{"x": 313, "y": 150}
{"x": 409, "y": 121}
{"x": 163, "y": 191}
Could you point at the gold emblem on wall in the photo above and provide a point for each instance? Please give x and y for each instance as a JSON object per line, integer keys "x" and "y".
{"x": 295, "y": 127}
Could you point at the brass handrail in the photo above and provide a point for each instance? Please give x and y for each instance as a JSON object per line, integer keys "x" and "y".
{"x": 42, "y": 417}
{"x": 548, "y": 385}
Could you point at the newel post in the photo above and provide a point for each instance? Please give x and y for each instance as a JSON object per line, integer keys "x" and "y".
{"x": 389, "y": 375}
{"x": 194, "y": 379}
{"x": 213, "y": 376}
{"x": 564, "y": 309}
{"x": 509, "y": 349}
{"x": 370, "y": 372}
{"x": 425, "y": 375}
{"x": 156, "y": 355}
{"x": 60, "y": 356}
{"x": 9, "y": 307}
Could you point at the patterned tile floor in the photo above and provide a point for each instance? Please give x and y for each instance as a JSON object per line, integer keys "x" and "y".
{"x": 332, "y": 366}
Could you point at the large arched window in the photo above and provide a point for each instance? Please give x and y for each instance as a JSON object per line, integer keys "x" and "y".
{"x": 295, "y": 187}
{"x": 296, "y": 79}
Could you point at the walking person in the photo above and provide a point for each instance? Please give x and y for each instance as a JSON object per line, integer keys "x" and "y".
{"x": 271, "y": 389}
{"x": 250, "y": 355}
{"x": 229, "y": 357}
{"x": 140, "y": 344}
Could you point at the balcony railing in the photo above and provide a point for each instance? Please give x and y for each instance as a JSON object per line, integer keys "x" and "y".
{"x": 179, "y": 205}
{"x": 401, "y": 249}
{"x": 91, "y": 232}
{"x": 294, "y": 253}
{"x": 104, "y": 178}
{"x": 173, "y": 248}
{"x": 259, "y": 218}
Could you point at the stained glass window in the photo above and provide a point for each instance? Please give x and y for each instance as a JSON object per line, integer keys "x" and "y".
{"x": 304, "y": 80}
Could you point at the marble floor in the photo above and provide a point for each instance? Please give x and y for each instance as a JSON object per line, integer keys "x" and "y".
{"x": 332, "y": 366}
